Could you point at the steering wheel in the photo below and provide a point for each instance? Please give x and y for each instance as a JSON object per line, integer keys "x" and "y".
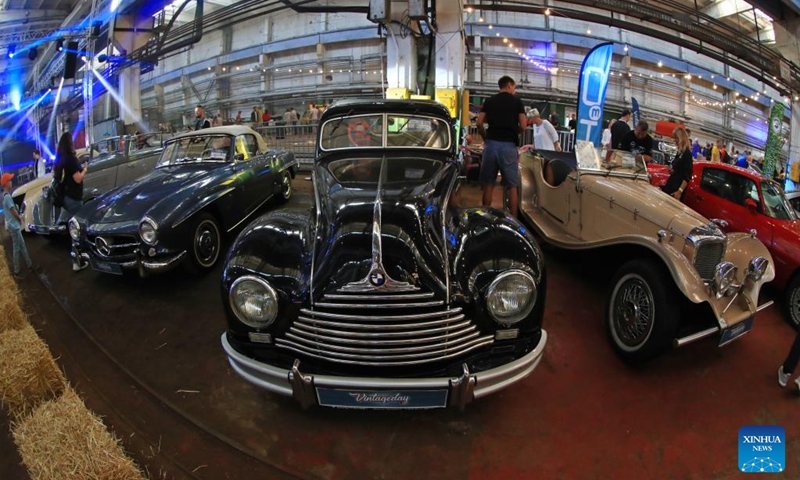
{"x": 358, "y": 133}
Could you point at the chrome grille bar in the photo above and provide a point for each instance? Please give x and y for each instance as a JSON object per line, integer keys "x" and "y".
{"x": 433, "y": 303}
{"x": 402, "y": 296}
{"x": 430, "y": 335}
{"x": 387, "y": 361}
{"x": 371, "y": 326}
{"x": 379, "y": 351}
{"x": 379, "y": 333}
{"x": 382, "y": 318}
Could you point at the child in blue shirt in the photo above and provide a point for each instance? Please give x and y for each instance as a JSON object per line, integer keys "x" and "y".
{"x": 13, "y": 225}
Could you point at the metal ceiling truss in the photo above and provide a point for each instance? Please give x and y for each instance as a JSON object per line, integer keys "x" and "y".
{"x": 736, "y": 50}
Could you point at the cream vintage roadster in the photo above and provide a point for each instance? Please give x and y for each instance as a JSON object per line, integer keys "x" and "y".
{"x": 679, "y": 278}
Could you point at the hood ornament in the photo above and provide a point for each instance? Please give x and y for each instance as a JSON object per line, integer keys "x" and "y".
{"x": 377, "y": 280}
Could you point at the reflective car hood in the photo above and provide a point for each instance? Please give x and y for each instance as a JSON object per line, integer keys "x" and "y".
{"x": 410, "y": 247}
{"x": 663, "y": 210}
{"x": 132, "y": 201}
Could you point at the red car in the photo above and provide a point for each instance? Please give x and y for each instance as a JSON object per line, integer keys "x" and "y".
{"x": 748, "y": 201}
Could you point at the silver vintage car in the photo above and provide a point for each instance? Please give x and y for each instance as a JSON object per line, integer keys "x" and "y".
{"x": 113, "y": 162}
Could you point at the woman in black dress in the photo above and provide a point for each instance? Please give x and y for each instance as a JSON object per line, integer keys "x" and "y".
{"x": 681, "y": 170}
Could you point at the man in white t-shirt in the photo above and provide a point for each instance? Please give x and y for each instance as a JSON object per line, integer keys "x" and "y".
{"x": 545, "y": 136}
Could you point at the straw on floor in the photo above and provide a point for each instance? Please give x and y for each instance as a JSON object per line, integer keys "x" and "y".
{"x": 63, "y": 440}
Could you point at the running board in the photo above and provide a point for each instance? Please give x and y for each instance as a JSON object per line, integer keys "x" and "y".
{"x": 680, "y": 342}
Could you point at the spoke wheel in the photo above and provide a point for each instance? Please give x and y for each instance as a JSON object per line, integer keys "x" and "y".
{"x": 643, "y": 311}
{"x": 634, "y": 311}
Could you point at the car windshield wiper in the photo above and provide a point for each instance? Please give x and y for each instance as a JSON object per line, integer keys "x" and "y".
{"x": 341, "y": 119}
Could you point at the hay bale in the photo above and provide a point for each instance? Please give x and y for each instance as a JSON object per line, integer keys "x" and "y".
{"x": 11, "y": 316}
{"x": 28, "y": 373}
{"x": 62, "y": 440}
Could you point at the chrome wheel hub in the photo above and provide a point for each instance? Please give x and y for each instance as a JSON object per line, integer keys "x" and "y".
{"x": 206, "y": 244}
{"x": 634, "y": 312}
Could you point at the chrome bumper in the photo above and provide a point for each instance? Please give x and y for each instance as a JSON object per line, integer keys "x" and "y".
{"x": 47, "y": 229}
{"x": 680, "y": 342}
{"x": 141, "y": 263}
{"x": 462, "y": 390}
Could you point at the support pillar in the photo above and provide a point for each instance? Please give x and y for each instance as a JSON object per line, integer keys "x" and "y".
{"x": 449, "y": 54}
{"x": 131, "y": 33}
{"x": 401, "y": 61}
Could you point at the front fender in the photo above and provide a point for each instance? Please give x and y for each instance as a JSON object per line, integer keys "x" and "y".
{"x": 285, "y": 160}
{"x": 179, "y": 211}
{"x": 740, "y": 249}
{"x": 276, "y": 247}
{"x": 485, "y": 243}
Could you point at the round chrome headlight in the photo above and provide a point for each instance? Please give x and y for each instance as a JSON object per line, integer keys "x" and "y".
{"x": 74, "y": 229}
{"x": 253, "y": 301}
{"x": 148, "y": 231}
{"x": 724, "y": 275}
{"x": 511, "y": 297}
{"x": 757, "y": 268}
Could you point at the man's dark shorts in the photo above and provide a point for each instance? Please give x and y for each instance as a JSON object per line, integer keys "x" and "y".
{"x": 500, "y": 156}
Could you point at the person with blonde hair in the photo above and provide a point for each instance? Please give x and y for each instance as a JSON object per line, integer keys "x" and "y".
{"x": 681, "y": 169}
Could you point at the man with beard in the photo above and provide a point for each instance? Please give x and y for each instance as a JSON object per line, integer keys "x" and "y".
{"x": 201, "y": 120}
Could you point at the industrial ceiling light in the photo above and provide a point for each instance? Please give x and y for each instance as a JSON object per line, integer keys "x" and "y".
{"x": 33, "y": 53}
{"x": 11, "y": 50}
{"x": 60, "y": 45}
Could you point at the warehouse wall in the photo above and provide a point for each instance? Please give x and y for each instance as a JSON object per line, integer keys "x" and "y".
{"x": 290, "y": 60}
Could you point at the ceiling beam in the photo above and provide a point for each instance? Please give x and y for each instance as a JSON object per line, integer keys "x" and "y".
{"x": 726, "y": 8}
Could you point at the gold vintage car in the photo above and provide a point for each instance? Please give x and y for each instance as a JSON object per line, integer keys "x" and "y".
{"x": 680, "y": 271}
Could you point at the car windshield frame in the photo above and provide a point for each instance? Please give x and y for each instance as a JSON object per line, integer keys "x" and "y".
{"x": 776, "y": 193}
{"x": 620, "y": 164}
{"x": 194, "y": 149}
{"x": 385, "y": 130}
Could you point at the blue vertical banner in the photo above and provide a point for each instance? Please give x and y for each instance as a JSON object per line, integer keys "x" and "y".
{"x": 592, "y": 92}
{"x": 635, "y": 113}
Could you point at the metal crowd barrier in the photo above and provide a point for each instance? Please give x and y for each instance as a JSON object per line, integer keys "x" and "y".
{"x": 301, "y": 139}
{"x": 565, "y": 138}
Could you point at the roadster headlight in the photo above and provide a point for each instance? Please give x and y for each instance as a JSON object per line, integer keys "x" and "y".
{"x": 511, "y": 297}
{"x": 74, "y": 229}
{"x": 253, "y": 301}
{"x": 724, "y": 275}
{"x": 148, "y": 231}
{"x": 757, "y": 268}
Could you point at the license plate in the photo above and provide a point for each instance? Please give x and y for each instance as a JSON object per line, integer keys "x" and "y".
{"x": 732, "y": 333}
{"x": 106, "y": 267}
{"x": 382, "y": 399}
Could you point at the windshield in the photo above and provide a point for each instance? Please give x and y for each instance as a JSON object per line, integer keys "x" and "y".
{"x": 620, "y": 162}
{"x": 385, "y": 131}
{"x": 775, "y": 203}
{"x": 195, "y": 149}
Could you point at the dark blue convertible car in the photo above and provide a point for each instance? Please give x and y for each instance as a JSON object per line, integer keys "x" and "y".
{"x": 389, "y": 294}
{"x": 205, "y": 184}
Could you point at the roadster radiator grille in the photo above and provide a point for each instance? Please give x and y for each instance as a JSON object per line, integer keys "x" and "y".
{"x": 707, "y": 257}
{"x": 382, "y": 330}
{"x": 118, "y": 247}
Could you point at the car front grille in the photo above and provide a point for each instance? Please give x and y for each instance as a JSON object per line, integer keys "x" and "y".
{"x": 707, "y": 256}
{"x": 382, "y": 329}
{"x": 116, "y": 247}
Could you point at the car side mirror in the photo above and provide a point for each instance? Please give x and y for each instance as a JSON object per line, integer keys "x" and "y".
{"x": 238, "y": 157}
{"x": 751, "y": 204}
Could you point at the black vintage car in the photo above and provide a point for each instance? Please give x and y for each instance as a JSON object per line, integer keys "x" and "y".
{"x": 205, "y": 183}
{"x": 388, "y": 294}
